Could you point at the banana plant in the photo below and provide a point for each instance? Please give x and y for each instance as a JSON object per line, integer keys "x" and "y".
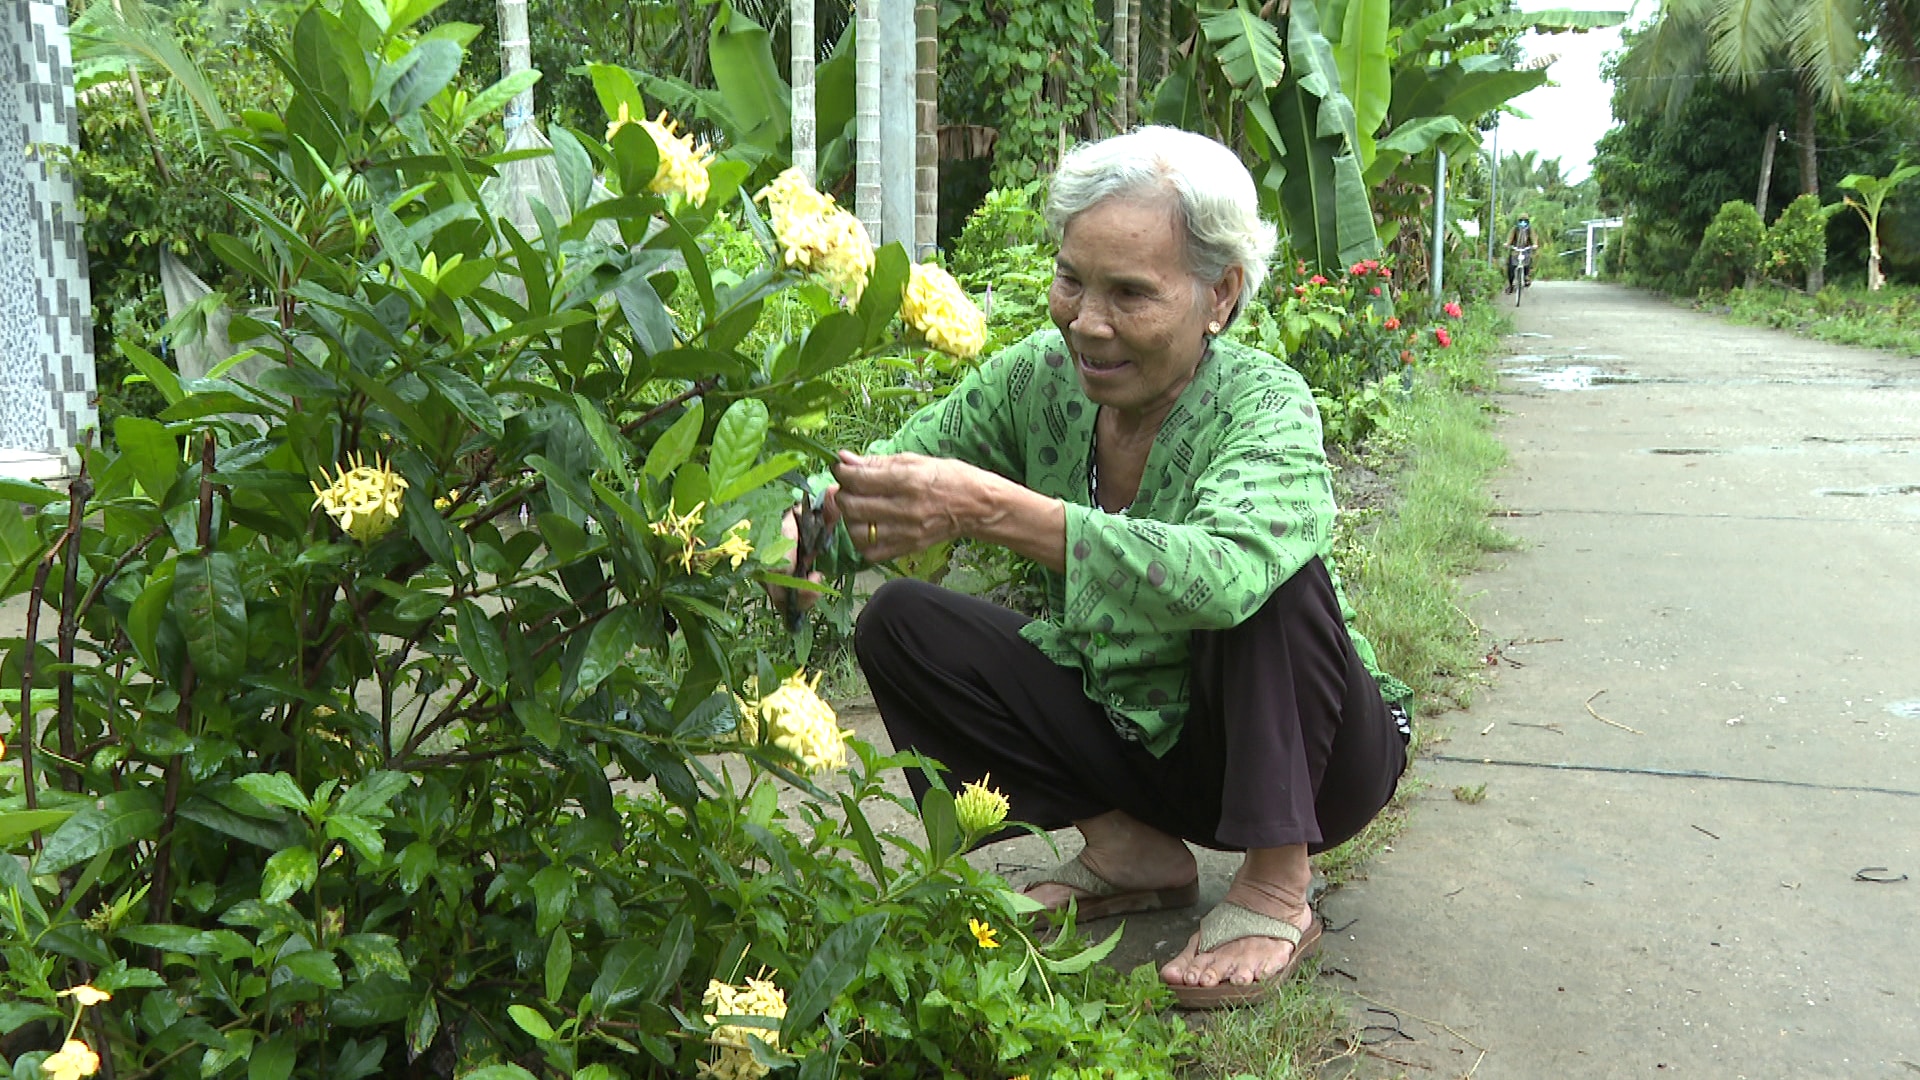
{"x": 1873, "y": 198}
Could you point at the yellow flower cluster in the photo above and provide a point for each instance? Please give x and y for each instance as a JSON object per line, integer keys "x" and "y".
{"x": 936, "y": 306}
{"x": 683, "y": 166}
{"x": 733, "y": 1053}
{"x": 817, "y": 235}
{"x": 71, "y": 1062}
{"x": 980, "y": 808}
{"x": 364, "y": 500}
{"x": 694, "y": 554}
{"x": 799, "y": 722}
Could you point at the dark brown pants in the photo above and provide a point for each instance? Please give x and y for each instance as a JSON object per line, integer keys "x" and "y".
{"x": 1287, "y": 741}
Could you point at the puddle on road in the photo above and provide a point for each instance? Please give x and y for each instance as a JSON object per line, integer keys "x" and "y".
{"x": 1870, "y": 492}
{"x": 1905, "y": 710}
{"x": 1570, "y": 377}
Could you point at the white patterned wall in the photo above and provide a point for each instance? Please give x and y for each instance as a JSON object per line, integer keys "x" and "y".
{"x": 47, "y": 387}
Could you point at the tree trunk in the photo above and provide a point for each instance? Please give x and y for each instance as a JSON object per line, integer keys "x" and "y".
{"x": 1766, "y": 171}
{"x": 1166, "y": 38}
{"x": 1122, "y": 19}
{"x": 1809, "y": 172}
{"x": 926, "y": 139}
{"x": 801, "y": 44}
{"x": 866, "y": 111}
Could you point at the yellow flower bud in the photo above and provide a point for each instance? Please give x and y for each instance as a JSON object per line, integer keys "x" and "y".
{"x": 980, "y": 808}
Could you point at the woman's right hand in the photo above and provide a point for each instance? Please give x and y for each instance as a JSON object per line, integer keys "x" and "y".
{"x": 801, "y": 566}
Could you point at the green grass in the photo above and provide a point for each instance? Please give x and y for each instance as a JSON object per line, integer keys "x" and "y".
{"x": 1403, "y": 576}
{"x": 1846, "y": 315}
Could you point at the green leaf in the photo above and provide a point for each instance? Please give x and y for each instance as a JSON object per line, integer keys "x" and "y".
{"x": 614, "y": 87}
{"x": 317, "y": 966}
{"x": 749, "y": 80}
{"x": 288, "y": 872}
{"x": 483, "y": 104}
{"x": 431, "y": 66}
{"x": 613, "y": 452}
{"x": 373, "y": 796}
{"x": 559, "y": 965}
{"x": 210, "y": 606}
{"x": 422, "y": 1025}
{"x": 839, "y": 959}
{"x": 364, "y": 835}
{"x": 764, "y": 473}
{"x": 18, "y": 1014}
{"x": 480, "y": 644}
{"x": 275, "y": 789}
{"x": 575, "y": 168}
{"x": 608, "y": 644}
{"x": 942, "y": 823}
{"x": 499, "y": 1072}
{"x": 676, "y": 446}
{"x": 832, "y": 342}
{"x": 670, "y": 959}
{"x": 1086, "y": 957}
{"x": 552, "y": 896}
{"x": 1248, "y": 48}
{"x": 114, "y": 822}
{"x": 154, "y": 369}
{"x": 622, "y": 975}
{"x": 17, "y": 825}
{"x": 374, "y": 954}
{"x": 151, "y": 452}
{"x": 273, "y": 1059}
{"x": 372, "y": 1002}
{"x": 880, "y": 302}
{"x": 531, "y": 1022}
{"x": 467, "y": 397}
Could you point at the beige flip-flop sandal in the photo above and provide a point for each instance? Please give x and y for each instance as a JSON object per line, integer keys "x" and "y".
{"x": 1230, "y": 922}
{"x": 1104, "y": 900}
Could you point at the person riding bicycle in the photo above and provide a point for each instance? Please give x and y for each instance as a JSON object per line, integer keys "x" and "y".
{"x": 1519, "y": 239}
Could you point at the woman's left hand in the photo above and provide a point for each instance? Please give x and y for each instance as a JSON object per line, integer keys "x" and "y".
{"x": 897, "y": 504}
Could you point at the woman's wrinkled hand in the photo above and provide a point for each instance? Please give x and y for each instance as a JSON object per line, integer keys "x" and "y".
{"x": 898, "y": 504}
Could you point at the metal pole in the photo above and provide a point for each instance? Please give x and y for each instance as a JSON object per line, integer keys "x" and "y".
{"x": 1493, "y": 192}
{"x": 1439, "y": 224}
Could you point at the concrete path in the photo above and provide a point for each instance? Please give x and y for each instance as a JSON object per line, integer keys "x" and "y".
{"x": 1703, "y": 730}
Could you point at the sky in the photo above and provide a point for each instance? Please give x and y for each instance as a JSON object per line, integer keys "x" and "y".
{"x": 1570, "y": 113}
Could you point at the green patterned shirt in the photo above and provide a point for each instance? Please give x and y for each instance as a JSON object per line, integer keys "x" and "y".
{"x": 1236, "y": 496}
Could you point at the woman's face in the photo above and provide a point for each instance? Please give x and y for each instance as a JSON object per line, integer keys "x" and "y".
{"x": 1133, "y": 316}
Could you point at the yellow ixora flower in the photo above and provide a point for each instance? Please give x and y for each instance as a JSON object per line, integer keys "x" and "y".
{"x": 71, "y": 1062}
{"x": 980, "y": 808}
{"x": 983, "y": 934}
{"x": 935, "y": 305}
{"x": 87, "y": 995}
{"x": 695, "y": 555}
{"x": 683, "y": 166}
{"x": 364, "y": 500}
{"x": 799, "y": 722}
{"x": 733, "y": 1053}
{"x": 817, "y": 235}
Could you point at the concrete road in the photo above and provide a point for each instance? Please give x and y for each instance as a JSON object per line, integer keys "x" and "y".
{"x": 1703, "y": 733}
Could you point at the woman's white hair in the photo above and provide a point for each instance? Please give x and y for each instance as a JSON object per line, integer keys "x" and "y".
{"x": 1211, "y": 189}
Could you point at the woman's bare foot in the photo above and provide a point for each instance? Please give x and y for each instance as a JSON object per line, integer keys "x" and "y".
{"x": 1126, "y": 853}
{"x": 1273, "y": 882}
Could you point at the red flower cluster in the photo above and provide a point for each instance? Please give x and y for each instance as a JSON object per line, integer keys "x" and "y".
{"x": 1392, "y": 323}
{"x": 1452, "y": 309}
{"x": 1440, "y": 335}
{"x": 1370, "y": 266}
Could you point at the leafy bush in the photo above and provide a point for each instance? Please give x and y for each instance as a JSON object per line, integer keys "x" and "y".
{"x": 443, "y": 773}
{"x": 1797, "y": 240}
{"x": 1732, "y": 250}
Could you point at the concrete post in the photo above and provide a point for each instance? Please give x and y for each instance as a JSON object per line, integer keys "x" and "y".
{"x": 48, "y": 403}
{"x": 897, "y": 106}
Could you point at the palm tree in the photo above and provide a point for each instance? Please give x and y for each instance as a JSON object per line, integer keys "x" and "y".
{"x": 1819, "y": 44}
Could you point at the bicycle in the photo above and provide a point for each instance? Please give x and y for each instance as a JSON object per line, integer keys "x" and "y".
{"x": 1522, "y": 272}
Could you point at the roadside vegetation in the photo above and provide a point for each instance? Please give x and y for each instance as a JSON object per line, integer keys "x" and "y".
{"x": 1846, "y": 315}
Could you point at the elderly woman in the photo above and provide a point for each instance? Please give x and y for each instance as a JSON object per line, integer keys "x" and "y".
{"x": 1195, "y": 680}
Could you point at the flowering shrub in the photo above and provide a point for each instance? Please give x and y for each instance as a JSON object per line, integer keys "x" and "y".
{"x": 317, "y": 776}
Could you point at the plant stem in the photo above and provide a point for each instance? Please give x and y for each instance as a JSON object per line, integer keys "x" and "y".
{"x": 77, "y": 495}
{"x": 35, "y": 597}
{"x": 160, "y": 906}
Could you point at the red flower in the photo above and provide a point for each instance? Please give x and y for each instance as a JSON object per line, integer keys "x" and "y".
{"x": 1316, "y": 280}
{"x": 1375, "y": 290}
{"x": 1357, "y": 268}
{"x": 1440, "y": 335}
{"x": 1452, "y": 309}
{"x": 1406, "y": 356}
{"x": 1299, "y": 290}
{"x": 1392, "y": 323}
{"x": 1386, "y": 271}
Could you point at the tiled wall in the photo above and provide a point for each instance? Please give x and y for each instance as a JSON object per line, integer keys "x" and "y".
{"x": 47, "y": 398}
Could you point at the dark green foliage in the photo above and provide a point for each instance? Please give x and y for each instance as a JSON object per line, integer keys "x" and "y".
{"x": 1732, "y": 249}
{"x": 1032, "y": 69}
